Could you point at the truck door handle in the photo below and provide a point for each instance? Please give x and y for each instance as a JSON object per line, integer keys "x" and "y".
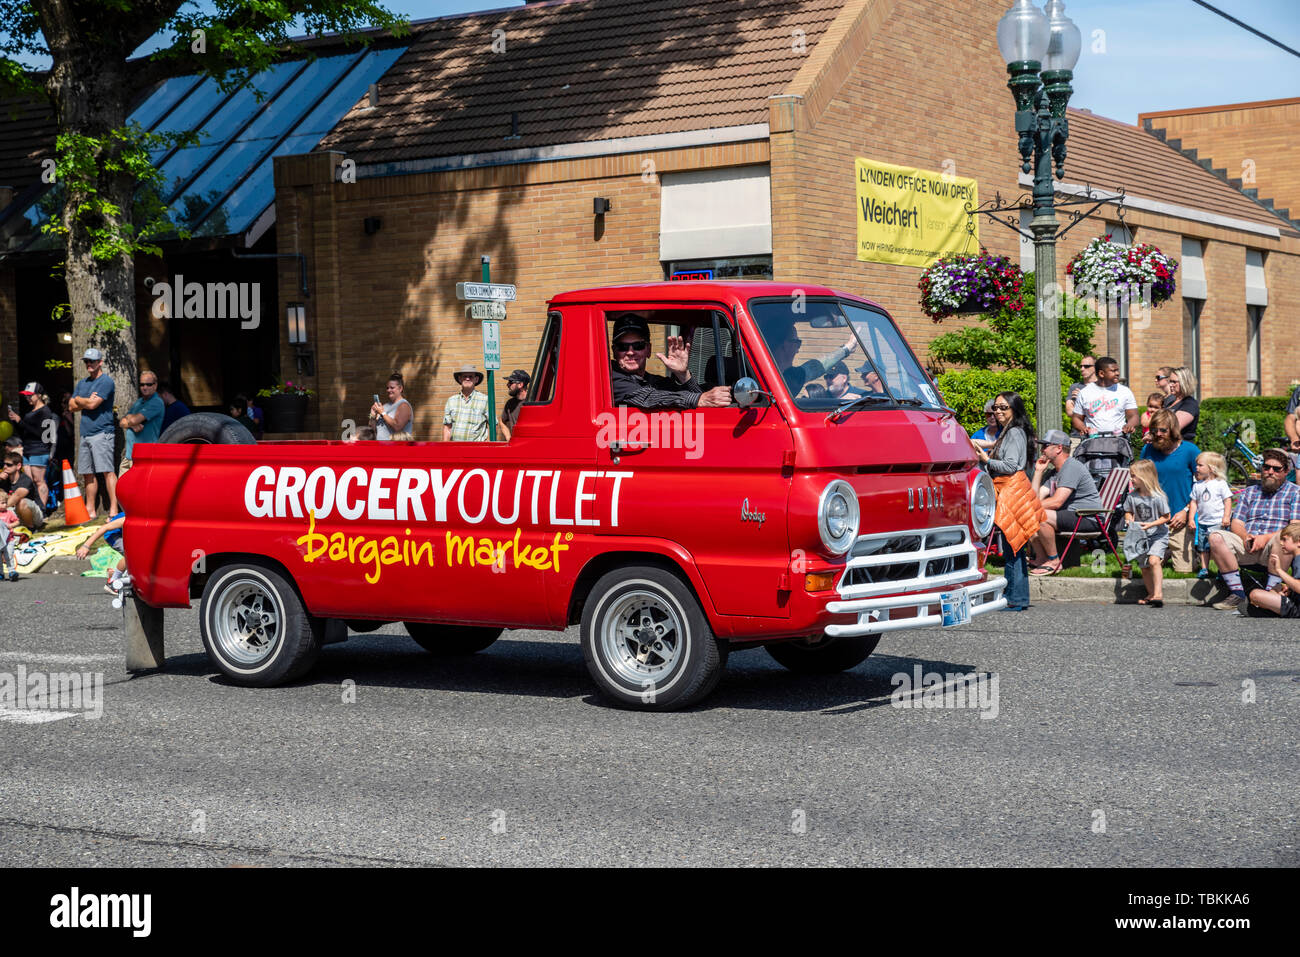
{"x": 622, "y": 448}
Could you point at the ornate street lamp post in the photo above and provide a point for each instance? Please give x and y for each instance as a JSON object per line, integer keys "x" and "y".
{"x": 1040, "y": 51}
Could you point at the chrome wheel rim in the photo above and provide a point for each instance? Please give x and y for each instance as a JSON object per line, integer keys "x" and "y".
{"x": 246, "y": 623}
{"x": 643, "y": 638}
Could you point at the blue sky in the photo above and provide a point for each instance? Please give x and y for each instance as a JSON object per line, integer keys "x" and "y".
{"x": 1148, "y": 55}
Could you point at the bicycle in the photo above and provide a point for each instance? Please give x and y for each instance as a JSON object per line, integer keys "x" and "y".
{"x": 1243, "y": 463}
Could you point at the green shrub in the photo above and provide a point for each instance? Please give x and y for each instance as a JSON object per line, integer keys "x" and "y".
{"x": 967, "y": 391}
{"x": 1266, "y": 413}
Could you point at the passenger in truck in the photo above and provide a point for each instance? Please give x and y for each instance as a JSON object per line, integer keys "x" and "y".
{"x": 786, "y": 345}
{"x": 634, "y": 386}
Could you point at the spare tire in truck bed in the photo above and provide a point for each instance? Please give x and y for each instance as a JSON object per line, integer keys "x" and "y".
{"x": 210, "y": 428}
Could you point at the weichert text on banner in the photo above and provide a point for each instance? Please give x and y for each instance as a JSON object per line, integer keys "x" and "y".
{"x": 911, "y": 217}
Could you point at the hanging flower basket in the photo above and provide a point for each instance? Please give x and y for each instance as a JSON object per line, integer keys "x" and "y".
{"x": 1117, "y": 272}
{"x": 962, "y": 285}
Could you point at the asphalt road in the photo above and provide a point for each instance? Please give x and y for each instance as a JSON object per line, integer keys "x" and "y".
{"x": 1099, "y": 754}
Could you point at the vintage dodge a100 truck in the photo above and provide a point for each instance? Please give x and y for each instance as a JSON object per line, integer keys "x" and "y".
{"x": 802, "y": 516}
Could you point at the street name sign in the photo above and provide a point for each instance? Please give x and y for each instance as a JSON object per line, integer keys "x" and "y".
{"x": 492, "y": 291}
{"x": 487, "y": 310}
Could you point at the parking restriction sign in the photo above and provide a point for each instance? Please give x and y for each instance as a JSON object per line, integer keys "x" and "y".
{"x": 491, "y": 345}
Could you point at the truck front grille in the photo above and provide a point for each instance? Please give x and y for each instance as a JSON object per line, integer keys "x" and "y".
{"x": 920, "y": 560}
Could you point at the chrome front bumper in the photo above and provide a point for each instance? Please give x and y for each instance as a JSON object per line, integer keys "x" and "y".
{"x": 873, "y": 613}
{"x": 909, "y": 569}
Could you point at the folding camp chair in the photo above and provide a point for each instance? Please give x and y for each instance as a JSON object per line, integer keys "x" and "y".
{"x": 1112, "y": 493}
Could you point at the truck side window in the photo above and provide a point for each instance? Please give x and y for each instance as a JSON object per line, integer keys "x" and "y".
{"x": 704, "y": 350}
{"x": 546, "y": 368}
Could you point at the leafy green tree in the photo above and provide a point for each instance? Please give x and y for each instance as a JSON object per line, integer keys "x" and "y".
{"x": 102, "y": 161}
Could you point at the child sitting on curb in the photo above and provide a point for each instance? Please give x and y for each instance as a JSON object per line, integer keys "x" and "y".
{"x": 1146, "y": 509}
{"x": 1282, "y": 600}
{"x": 111, "y": 533}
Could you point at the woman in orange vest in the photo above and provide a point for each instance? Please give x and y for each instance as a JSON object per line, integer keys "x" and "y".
{"x": 1019, "y": 512}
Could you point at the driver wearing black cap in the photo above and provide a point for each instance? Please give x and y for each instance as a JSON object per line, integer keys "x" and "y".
{"x": 635, "y": 387}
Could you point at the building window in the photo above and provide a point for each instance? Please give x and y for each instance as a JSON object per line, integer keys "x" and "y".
{"x": 1192, "y": 335}
{"x": 736, "y": 267}
{"x": 1254, "y": 320}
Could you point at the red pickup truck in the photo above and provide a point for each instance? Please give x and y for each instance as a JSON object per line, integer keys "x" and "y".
{"x": 794, "y": 482}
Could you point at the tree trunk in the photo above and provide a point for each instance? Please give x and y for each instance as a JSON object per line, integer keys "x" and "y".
{"x": 87, "y": 86}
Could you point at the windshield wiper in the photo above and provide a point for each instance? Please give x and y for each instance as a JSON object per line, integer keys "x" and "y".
{"x": 910, "y": 400}
{"x": 854, "y": 403}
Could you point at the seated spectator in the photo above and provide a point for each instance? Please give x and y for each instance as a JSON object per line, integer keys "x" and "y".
{"x": 111, "y": 533}
{"x": 1155, "y": 402}
{"x": 1071, "y": 489}
{"x": 1262, "y": 511}
{"x": 1182, "y": 401}
{"x": 1175, "y": 462}
{"x": 18, "y": 492}
{"x": 987, "y": 437}
{"x": 1105, "y": 407}
{"x": 633, "y": 386}
{"x": 1284, "y": 600}
{"x": 1292, "y": 421}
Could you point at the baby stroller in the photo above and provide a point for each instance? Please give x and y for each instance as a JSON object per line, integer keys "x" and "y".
{"x": 1102, "y": 453}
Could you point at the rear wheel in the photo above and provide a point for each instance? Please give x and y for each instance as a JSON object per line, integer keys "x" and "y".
{"x": 255, "y": 627}
{"x": 646, "y": 641}
{"x": 448, "y": 640}
{"x": 1239, "y": 472}
{"x": 823, "y": 656}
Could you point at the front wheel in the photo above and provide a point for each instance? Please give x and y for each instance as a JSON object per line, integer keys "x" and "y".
{"x": 255, "y": 627}
{"x": 448, "y": 640}
{"x": 826, "y": 656}
{"x": 646, "y": 641}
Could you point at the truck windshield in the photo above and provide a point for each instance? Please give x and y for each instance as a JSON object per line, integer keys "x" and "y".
{"x": 833, "y": 353}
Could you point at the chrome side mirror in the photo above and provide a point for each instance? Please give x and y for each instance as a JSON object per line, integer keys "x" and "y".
{"x": 746, "y": 392}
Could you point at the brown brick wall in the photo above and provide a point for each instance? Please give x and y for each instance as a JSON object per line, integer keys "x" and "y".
{"x": 387, "y": 301}
{"x": 1262, "y": 136}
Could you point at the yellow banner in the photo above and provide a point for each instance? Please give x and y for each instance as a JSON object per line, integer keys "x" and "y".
{"x": 911, "y": 217}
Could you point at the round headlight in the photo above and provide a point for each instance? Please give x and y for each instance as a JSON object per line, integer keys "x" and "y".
{"x": 983, "y": 505}
{"x": 837, "y": 516}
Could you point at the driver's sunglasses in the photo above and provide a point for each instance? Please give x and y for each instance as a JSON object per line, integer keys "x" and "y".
{"x": 630, "y": 345}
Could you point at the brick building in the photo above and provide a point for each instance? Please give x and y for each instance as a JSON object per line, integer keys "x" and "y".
{"x": 723, "y": 136}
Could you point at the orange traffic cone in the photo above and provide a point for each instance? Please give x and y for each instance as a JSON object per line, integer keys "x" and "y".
{"x": 74, "y": 507}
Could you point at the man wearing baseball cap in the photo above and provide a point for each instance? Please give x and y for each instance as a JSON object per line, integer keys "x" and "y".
{"x": 1071, "y": 489}
{"x": 93, "y": 397}
{"x": 465, "y": 416}
{"x": 634, "y": 386}
{"x": 517, "y": 384}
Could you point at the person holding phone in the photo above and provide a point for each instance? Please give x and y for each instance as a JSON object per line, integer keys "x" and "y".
{"x": 392, "y": 420}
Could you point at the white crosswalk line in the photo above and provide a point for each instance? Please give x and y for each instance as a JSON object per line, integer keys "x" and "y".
{"x": 14, "y": 716}
{"x": 53, "y": 659}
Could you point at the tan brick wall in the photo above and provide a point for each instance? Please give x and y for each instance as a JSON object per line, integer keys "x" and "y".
{"x": 387, "y": 301}
{"x": 1253, "y": 138}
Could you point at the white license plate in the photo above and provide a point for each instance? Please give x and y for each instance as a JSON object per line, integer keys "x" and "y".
{"x": 955, "y": 607}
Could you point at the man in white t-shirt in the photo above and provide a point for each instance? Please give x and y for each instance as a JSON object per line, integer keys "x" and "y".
{"x": 1104, "y": 407}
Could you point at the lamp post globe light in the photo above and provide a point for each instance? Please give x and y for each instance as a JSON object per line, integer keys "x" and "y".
{"x": 1040, "y": 48}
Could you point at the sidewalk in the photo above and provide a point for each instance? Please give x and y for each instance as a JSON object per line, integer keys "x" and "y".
{"x": 1177, "y": 591}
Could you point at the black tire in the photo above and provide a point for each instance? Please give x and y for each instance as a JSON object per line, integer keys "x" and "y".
{"x": 1239, "y": 472}
{"x": 448, "y": 640}
{"x": 826, "y": 657}
{"x": 246, "y": 650}
{"x": 208, "y": 428}
{"x": 636, "y": 667}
